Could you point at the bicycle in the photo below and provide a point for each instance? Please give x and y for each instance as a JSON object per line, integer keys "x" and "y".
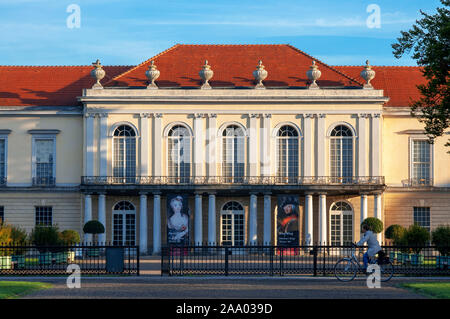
{"x": 346, "y": 268}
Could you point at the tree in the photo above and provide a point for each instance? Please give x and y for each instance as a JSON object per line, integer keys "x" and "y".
{"x": 429, "y": 39}
{"x": 375, "y": 225}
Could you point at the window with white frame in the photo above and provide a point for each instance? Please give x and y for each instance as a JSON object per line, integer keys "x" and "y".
{"x": 420, "y": 162}
{"x": 287, "y": 152}
{"x": 124, "y": 154}
{"x": 124, "y": 224}
{"x": 422, "y": 217}
{"x": 2, "y": 214}
{"x": 3, "y": 159}
{"x": 179, "y": 153}
{"x": 341, "y": 224}
{"x": 341, "y": 154}
{"x": 43, "y": 215}
{"x": 44, "y": 160}
{"x": 233, "y": 153}
{"x": 232, "y": 221}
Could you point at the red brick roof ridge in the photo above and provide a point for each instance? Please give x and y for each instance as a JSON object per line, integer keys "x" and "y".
{"x": 324, "y": 64}
{"x": 140, "y": 64}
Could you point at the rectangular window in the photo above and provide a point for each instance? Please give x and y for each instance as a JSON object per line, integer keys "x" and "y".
{"x": 421, "y": 163}
{"x": 422, "y": 217}
{"x": 44, "y": 215}
{"x": 44, "y": 165}
{"x": 3, "y": 161}
{"x": 2, "y": 214}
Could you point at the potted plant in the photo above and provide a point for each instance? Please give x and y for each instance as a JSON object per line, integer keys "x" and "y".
{"x": 93, "y": 227}
{"x": 416, "y": 237}
{"x": 46, "y": 238}
{"x": 440, "y": 237}
{"x": 5, "y": 253}
{"x": 394, "y": 233}
{"x": 69, "y": 237}
{"x": 19, "y": 239}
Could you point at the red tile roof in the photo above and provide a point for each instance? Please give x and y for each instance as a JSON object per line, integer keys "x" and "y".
{"x": 47, "y": 85}
{"x": 398, "y": 82}
{"x": 233, "y": 66}
{"x": 179, "y": 66}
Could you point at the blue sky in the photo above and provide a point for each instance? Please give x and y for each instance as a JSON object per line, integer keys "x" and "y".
{"x": 34, "y": 32}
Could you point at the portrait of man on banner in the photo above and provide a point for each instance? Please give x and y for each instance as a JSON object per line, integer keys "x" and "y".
{"x": 177, "y": 219}
{"x": 287, "y": 221}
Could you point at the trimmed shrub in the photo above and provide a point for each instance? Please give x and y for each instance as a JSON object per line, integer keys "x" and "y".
{"x": 93, "y": 227}
{"x": 416, "y": 237}
{"x": 375, "y": 225}
{"x": 441, "y": 239}
{"x": 69, "y": 237}
{"x": 394, "y": 233}
{"x": 42, "y": 236}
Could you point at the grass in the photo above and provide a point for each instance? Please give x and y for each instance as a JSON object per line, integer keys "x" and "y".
{"x": 14, "y": 289}
{"x": 432, "y": 289}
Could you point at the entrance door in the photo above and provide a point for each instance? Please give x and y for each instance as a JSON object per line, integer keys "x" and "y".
{"x": 341, "y": 224}
{"x": 124, "y": 224}
{"x": 232, "y": 224}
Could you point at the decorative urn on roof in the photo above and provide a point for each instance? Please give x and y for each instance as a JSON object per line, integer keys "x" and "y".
{"x": 152, "y": 74}
{"x": 206, "y": 74}
{"x": 367, "y": 74}
{"x": 313, "y": 75}
{"x": 98, "y": 73}
{"x": 260, "y": 74}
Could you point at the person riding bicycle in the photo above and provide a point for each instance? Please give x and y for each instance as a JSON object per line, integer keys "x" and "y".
{"x": 372, "y": 242}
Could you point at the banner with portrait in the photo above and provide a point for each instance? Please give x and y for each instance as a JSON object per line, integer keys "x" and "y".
{"x": 287, "y": 220}
{"x": 178, "y": 219}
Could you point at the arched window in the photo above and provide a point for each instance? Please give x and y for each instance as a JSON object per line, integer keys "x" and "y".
{"x": 341, "y": 154}
{"x": 233, "y": 154}
{"x": 287, "y": 153}
{"x": 341, "y": 224}
{"x": 232, "y": 224}
{"x": 179, "y": 154}
{"x": 124, "y": 156}
{"x": 124, "y": 224}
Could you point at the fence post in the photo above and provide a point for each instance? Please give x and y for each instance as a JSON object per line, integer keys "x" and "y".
{"x": 137, "y": 259}
{"x": 315, "y": 260}
{"x": 226, "y": 261}
{"x": 281, "y": 262}
{"x": 271, "y": 260}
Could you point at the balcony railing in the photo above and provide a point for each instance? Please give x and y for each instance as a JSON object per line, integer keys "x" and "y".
{"x": 243, "y": 180}
{"x": 417, "y": 182}
{"x": 44, "y": 181}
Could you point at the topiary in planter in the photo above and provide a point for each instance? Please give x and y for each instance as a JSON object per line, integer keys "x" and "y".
{"x": 416, "y": 238}
{"x": 93, "y": 227}
{"x": 69, "y": 237}
{"x": 375, "y": 225}
{"x": 394, "y": 232}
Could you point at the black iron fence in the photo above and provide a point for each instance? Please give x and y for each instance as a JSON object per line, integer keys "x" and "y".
{"x": 317, "y": 260}
{"x": 93, "y": 259}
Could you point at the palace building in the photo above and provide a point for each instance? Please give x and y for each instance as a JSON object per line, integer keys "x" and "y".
{"x": 218, "y": 144}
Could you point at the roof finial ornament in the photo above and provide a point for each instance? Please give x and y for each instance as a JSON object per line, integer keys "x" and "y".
{"x": 313, "y": 75}
{"x": 206, "y": 74}
{"x": 368, "y": 74}
{"x": 98, "y": 73}
{"x": 152, "y": 74}
{"x": 260, "y": 74}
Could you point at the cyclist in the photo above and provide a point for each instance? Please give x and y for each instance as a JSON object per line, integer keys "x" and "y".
{"x": 372, "y": 242}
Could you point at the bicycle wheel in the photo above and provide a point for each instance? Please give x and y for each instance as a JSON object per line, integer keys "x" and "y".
{"x": 386, "y": 271}
{"x": 345, "y": 269}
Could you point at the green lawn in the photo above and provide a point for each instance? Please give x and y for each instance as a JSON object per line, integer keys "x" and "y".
{"x": 14, "y": 289}
{"x": 431, "y": 289}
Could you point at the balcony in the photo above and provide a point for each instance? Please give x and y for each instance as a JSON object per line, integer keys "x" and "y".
{"x": 417, "y": 182}
{"x": 224, "y": 180}
{"x": 44, "y": 181}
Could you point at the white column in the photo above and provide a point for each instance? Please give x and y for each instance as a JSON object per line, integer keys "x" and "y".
{"x": 309, "y": 219}
{"x": 307, "y": 145}
{"x": 212, "y": 219}
{"x": 143, "y": 233}
{"x": 103, "y": 141}
{"x": 156, "y": 224}
{"x": 363, "y": 208}
{"x": 198, "y": 145}
{"x": 376, "y": 145}
{"x": 157, "y": 145}
{"x": 362, "y": 145}
{"x": 265, "y": 156}
{"x": 211, "y": 146}
{"x": 320, "y": 142}
{"x": 378, "y": 212}
{"x": 144, "y": 145}
{"x": 102, "y": 215}
{"x": 89, "y": 164}
{"x": 253, "y": 235}
{"x": 87, "y": 215}
{"x": 252, "y": 145}
{"x": 323, "y": 219}
{"x": 267, "y": 220}
{"x": 198, "y": 228}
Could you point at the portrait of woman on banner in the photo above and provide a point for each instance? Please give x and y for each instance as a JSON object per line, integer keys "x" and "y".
{"x": 177, "y": 220}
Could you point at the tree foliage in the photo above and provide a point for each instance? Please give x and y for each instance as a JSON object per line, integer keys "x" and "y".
{"x": 428, "y": 41}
